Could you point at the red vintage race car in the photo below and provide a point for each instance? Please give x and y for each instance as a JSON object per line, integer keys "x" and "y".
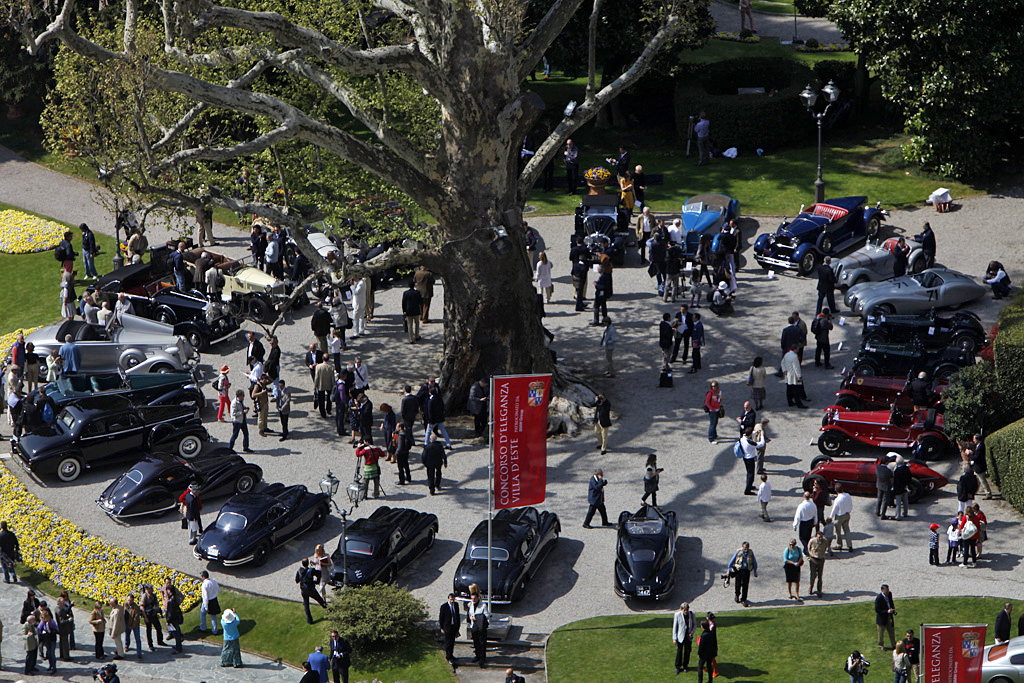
{"x": 922, "y": 430}
{"x": 859, "y": 392}
{"x": 858, "y": 476}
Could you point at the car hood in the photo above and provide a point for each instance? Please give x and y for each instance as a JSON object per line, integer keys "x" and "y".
{"x": 700, "y": 221}
{"x": 803, "y": 224}
{"x": 256, "y": 277}
{"x": 135, "y": 328}
{"x": 119, "y": 493}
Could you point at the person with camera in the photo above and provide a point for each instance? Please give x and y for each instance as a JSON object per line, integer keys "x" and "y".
{"x": 821, "y": 326}
{"x": 741, "y": 566}
{"x": 857, "y": 667}
{"x": 106, "y": 674}
{"x": 151, "y": 611}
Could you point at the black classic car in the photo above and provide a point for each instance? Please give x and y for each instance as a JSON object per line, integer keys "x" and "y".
{"x": 821, "y": 230}
{"x": 250, "y": 525}
{"x": 962, "y": 330}
{"x": 645, "y": 553}
{"x": 603, "y": 226}
{"x": 107, "y": 430}
{"x": 381, "y": 545}
{"x": 899, "y": 359}
{"x": 152, "y": 485}
{"x": 522, "y": 538}
{"x": 150, "y": 389}
{"x": 150, "y": 289}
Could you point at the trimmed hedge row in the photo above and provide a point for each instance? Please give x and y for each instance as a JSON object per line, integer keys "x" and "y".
{"x": 748, "y": 121}
{"x": 1008, "y": 353}
{"x": 1003, "y": 451}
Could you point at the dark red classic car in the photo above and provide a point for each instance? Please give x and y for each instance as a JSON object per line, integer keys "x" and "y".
{"x": 858, "y": 476}
{"x": 922, "y": 430}
{"x": 859, "y": 392}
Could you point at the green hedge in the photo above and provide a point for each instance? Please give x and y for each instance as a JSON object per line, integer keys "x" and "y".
{"x": 1004, "y": 452}
{"x": 971, "y": 405}
{"x": 748, "y": 121}
{"x": 1008, "y": 353}
{"x": 839, "y": 72}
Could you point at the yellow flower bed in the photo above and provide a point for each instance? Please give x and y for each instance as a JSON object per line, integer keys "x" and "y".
{"x": 21, "y": 233}
{"x": 73, "y": 559}
{"x": 7, "y": 340}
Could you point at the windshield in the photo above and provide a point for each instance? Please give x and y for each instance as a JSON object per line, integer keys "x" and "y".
{"x": 231, "y": 521}
{"x": 693, "y": 208}
{"x": 645, "y": 528}
{"x": 359, "y": 548}
{"x": 497, "y": 554}
{"x": 67, "y": 418}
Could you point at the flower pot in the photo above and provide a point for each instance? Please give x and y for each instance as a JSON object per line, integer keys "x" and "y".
{"x": 597, "y": 186}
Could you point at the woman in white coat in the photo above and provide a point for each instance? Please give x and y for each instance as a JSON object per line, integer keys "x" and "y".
{"x": 542, "y": 276}
{"x": 358, "y": 307}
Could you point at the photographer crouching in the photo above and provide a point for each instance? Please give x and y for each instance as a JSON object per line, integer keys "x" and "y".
{"x": 106, "y": 674}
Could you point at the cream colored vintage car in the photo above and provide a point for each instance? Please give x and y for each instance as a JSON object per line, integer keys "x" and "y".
{"x": 256, "y": 294}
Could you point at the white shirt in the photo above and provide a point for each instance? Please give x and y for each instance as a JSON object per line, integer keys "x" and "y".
{"x": 210, "y": 589}
{"x": 764, "y": 492}
{"x": 807, "y": 511}
{"x": 675, "y": 234}
{"x": 749, "y": 448}
{"x": 256, "y": 372}
{"x": 333, "y": 345}
{"x": 362, "y": 376}
{"x": 102, "y": 315}
{"x": 842, "y": 505}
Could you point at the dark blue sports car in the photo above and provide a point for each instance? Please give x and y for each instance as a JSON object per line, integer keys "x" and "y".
{"x": 821, "y": 230}
{"x": 381, "y": 545}
{"x": 250, "y": 525}
{"x": 522, "y": 538}
{"x": 704, "y": 214}
{"x": 645, "y": 553}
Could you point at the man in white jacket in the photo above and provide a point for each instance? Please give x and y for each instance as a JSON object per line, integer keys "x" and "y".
{"x": 358, "y": 307}
{"x": 684, "y": 623}
{"x": 794, "y": 379}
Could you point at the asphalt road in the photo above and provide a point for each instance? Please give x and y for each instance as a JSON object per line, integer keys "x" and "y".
{"x": 701, "y": 482}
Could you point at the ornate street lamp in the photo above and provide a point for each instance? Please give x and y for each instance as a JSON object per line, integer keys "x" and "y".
{"x": 809, "y": 98}
{"x": 330, "y": 485}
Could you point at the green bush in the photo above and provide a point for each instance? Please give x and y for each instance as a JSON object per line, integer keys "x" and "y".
{"x": 812, "y": 43}
{"x": 375, "y": 618}
{"x": 971, "y": 403}
{"x": 1008, "y": 353}
{"x": 1003, "y": 451}
{"x": 747, "y": 122}
{"x": 839, "y": 72}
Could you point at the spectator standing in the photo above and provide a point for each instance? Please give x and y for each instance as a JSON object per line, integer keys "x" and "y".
{"x": 238, "y": 424}
{"x": 901, "y": 479}
{"x": 644, "y": 228}
{"x": 1002, "y": 630}
{"x": 283, "y": 401}
{"x": 602, "y": 421}
{"x": 138, "y": 245}
{"x": 684, "y": 334}
{"x": 360, "y": 375}
{"x": 742, "y": 565}
{"x": 842, "y": 507}
{"x": 175, "y": 618}
{"x": 479, "y": 618}
{"x": 132, "y": 625}
{"x": 652, "y": 474}
{"x": 764, "y": 496}
{"x": 319, "y": 662}
{"x": 714, "y": 408}
{"x": 856, "y": 666}
{"x": 698, "y": 342}
{"x": 403, "y": 444}
{"x": 542, "y": 276}
{"x": 747, "y": 449}
{"x": 261, "y": 397}
{"x": 10, "y": 552}
{"x": 571, "y": 157}
{"x": 602, "y": 288}
{"x": 89, "y": 252}
{"x": 412, "y": 309}
{"x": 969, "y": 531}
{"x": 477, "y": 406}
{"x": 320, "y": 325}
{"x": 757, "y": 381}
{"x": 639, "y": 185}
{"x": 425, "y": 286}
{"x": 151, "y": 613}
{"x": 434, "y": 458}
{"x": 609, "y": 337}
{"x": 66, "y": 252}
{"x": 193, "y": 508}
{"x": 883, "y": 484}
{"x": 760, "y": 438}
{"x": 665, "y": 334}
{"x": 371, "y": 466}
{"x": 323, "y": 384}
{"x": 595, "y": 500}
{"x": 821, "y": 326}
{"x": 900, "y": 664}
{"x": 821, "y": 499}
{"x": 927, "y": 239}
{"x": 977, "y": 461}
{"x": 307, "y": 578}
{"x": 222, "y": 385}
{"x": 46, "y": 631}
{"x": 826, "y": 285}
{"x": 308, "y": 675}
{"x": 31, "y": 634}
{"x": 71, "y": 356}
{"x": 450, "y": 619}
{"x": 748, "y": 419}
{"x": 703, "y": 132}
{"x": 684, "y": 624}
{"x": 966, "y": 488}
{"x": 209, "y": 589}
{"x": 794, "y": 379}
{"x": 707, "y": 650}
{"x": 178, "y": 267}
{"x": 912, "y": 647}
{"x": 804, "y": 519}
{"x": 99, "y": 627}
{"x": 953, "y": 539}
{"x": 340, "y": 319}
{"x": 230, "y": 650}
{"x": 791, "y": 563}
{"x": 885, "y": 608}
{"x": 340, "y": 656}
{"x": 65, "y": 627}
{"x": 435, "y": 416}
{"x": 900, "y": 258}
{"x": 817, "y": 548}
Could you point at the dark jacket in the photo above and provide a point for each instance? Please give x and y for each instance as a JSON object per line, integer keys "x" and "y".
{"x": 9, "y": 546}
{"x": 410, "y": 407}
{"x": 665, "y": 334}
{"x": 966, "y": 486}
{"x": 698, "y": 333}
{"x": 883, "y": 603}
{"x": 434, "y": 455}
{"x": 1002, "y": 625}
{"x": 978, "y": 463}
{"x": 477, "y": 399}
{"x": 341, "y": 651}
{"x": 366, "y": 417}
{"x": 193, "y": 507}
{"x": 307, "y": 578}
{"x": 412, "y": 302}
{"x": 901, "y": 479}
{"x": 920, "y": 392}
{"x": 927, "y": 240}
{"x": 793, "y": 337}
{"x": 272, "y": 366}
{"x": 450, "y": 617}
{"x": 883, "y": 477}
{"x": 320, "y": 323}
{"x": 748, "y": 420}
{"x": 603, "y": 286}
{"x": 826, "y": 278}
{"x": 403, "y": 444}
{"x": 435, "y": 409}
{"x": 707, "y": 646}
{"x": 258, "y": 351}
{"x": 820, "y": 327}
{"x": 88, "y": 242}
{"x": 595, "y": 493}
{"x": 603, "y": 413}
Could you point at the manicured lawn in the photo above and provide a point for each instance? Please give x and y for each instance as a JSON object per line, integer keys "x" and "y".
{"x": 277, "y": 629}
{"x": 31, "y": 292}
{"x": 806, "y": 643}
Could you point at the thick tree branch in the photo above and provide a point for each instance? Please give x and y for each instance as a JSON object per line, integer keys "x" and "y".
{"x": 549, "y": 28}
{"x": 595, "y": 17}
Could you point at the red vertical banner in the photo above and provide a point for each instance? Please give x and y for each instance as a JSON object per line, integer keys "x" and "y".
{"x": 519, "y": 405}
{"x": 952, "y": 653}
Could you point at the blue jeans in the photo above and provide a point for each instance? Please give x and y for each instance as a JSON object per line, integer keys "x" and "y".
{"x": 179, "y": 279}
{"x": 202, "y": 620}
{"x": 899, "y": 677}
{"x": 90, "y": 265}
{"x": 137, "y": 630}
{"x": 713, "y": 425}
{"x": 856, "y": 678}
{"x": 9, "y": 575}
{"x": 444, "y": 433}
{"x": 237, "y": 427}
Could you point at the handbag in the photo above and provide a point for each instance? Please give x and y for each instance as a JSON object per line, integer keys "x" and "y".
{"x": 800, "y": 562}
{"x": 750, "y": 377}
{"x": 721, "y": 411}
{"x": 652, "y": 270}
{"x": 969, "y": 531}
{"x": 737, "y": 450}
{"x": 349, "y": 325}
{"x": 184, "y": 523}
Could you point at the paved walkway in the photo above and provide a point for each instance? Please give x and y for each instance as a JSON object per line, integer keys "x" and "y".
{"x": 780, "y": 26}
{"x": 199, "y": 662}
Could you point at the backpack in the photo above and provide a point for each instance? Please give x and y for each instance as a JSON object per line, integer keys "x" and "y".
{"x": 59, "y": 254}
{"x": 815, "y": 325}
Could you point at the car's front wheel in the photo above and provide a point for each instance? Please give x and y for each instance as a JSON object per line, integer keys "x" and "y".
{"x": 875, "y": 337}
{"x": 811, "y": 478}
{"x": 825, "y": 243}
{"x": 69, "y": 468}
{"x": 162, "y": 368}
{"x": 873, "y": 226}
{"x": 831, "y": 443}
{"x": 946, "y": 371}
{"x": 245, "y": 483}
{"x": 259, "y": 558}
{"x": 197, "y": 339}
{"x": 189, "y": 446}
{"x": 965, "y": 341}
{"x": 809, "y": 262}
{"x": 865, "y": 368}
{"x": 849, "y": 402}
{"x": 819, "y": 460}
{"x": 258, "y": 310}
{"x": 930, "y": 447}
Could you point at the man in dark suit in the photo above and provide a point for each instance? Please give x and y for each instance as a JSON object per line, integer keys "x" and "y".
{"x": 665, "y": 334}
{"x": 826, "y": 285}
{"x": 927, "y": 240}
{"x": 450, "y": 619}
{"x": 311, "y": 358}
{"x": 341, "y": 657}
{"x": 366, "y": 419}
{"x": 272, "y": 366}
{"x": 412, "y": 309}
{"x": 884, "y": 612}
{"x": 792, "y": 338}
{"x": 1003, "y": 623}
{"x": 748, "y": 419}
{"x": 434, "y": 457}
{"x": 409, "y": 408}
{"x": 477, "y": 406}
{"x": 255, "y": 348}
{"x": 423, "y": 395}
{"x": 601, "y": 290}
{"x": 683, "y": 334}
{"x": 595, "y": 498}
{"x": 308, "y": 577}
{"x": 707, "y": 650}
{"x": 621, "y": 162}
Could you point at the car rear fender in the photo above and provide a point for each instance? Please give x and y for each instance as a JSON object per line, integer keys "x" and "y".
{"x": 734, "y": 209}
{"x": 174, "y": 396}
{"x": 872, "y": 211}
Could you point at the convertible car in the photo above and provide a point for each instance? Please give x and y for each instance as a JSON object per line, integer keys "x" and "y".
{"x": 600, "y": 220}
{"x": 860, "y": 392}
{"x": 1004, "y": 662}
{"x": 822, "y": 230}
{"x": 917, "y": 293}
{"x": 133, "y": 345}
{"x": 107, "y": 430}
{"x": 522, "y": 538}
{"x": 704, "y": 214}
{"x": 152, "y": 388}
{"x": 645, "y": 553}
{"x": 250, "y": 525}
{"x": 253, "y": 292}
{"x": 897, "y": 359}
{"x": 152, "y": 485}
{"x": 922, "y": 430}
{"x": 962, "y": 330}
{"x": 858, "y": 476}
{"x": 874, "y": 262}
{"x": 381, "y": 545}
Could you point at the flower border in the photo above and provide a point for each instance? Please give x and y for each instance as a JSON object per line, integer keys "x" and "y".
{"x": 736, "y": 38}
{"x": 23, "y": 233}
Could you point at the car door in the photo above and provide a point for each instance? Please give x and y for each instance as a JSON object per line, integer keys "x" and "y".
{"x": 124, "y": 437}
{"x": 92, "y": 440}
{"x": 398, "y": 548}
{"x": 528, "y": 550}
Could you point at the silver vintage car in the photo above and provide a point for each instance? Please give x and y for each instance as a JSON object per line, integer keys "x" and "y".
{"x": 133, "y": 345}
{"x": 874, "y": 262}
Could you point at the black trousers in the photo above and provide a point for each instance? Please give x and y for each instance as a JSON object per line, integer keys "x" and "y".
{"x": 449, "y": 643}
{"x": 572, "y": 176}
{"x": 742, "y": 581}
{"x": 750, "y": 464}
{"x": 404, "y": 474}
{"x": 341, "y": 418}
{"x": 154, "y": 623}
{"x": 683, "y": 648}
{"x": 883, "y": 502}
{"x": 804, "y": 531}
{"x": 433, "y": 478}
{"x": 340, "y": 672}
{"x": 98, "y": 636}
{"x": 480, "y": 423}
{"x": 933, "y": 556}
{"x": 597, "y": 508}
{"x": 480, "y": 644}
{"x": 283, "y": 417}
{"x": 30, "y": 660}
{"x": 696, "y": 358}
{"x": 822, "y": 348}
{"x": 305, "y": 603}
{"x": 794, "y": 394}
{"x": 830, "y": 296}
{"x": 580, "y": 285}
{"x": 703, "y": 664}
{"x": 322, "y": 400}
{"x": 600, "y": 308}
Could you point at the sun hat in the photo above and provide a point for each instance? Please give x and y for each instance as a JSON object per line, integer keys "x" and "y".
{"x": 228, "y": 616}
{"x": 933, "y": 527}
{"x": 722, "y": 286}
{"x": 224, "y": 368}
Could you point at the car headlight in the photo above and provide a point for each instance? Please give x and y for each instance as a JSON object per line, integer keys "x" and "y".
{"x": 171, "y": 350}
{"x": 268, "y": 289}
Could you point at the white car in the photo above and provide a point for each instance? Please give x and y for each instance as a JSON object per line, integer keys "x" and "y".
{"x": 874, "y": 262}
{"x": 1004, "y": 663}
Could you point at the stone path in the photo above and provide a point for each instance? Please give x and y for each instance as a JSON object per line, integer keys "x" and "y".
{"x": 780, "y": 26}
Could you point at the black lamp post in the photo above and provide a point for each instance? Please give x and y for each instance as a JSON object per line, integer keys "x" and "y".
{"x": 330, "y": 485}
{"x": 809, "y": 98}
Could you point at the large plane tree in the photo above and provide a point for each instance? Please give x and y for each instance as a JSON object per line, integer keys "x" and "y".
{"x": 426, "y": 95}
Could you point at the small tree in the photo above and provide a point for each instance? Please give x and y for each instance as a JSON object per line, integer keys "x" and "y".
{"x": 375, "y": 618}
{"x": 971, "y": 404}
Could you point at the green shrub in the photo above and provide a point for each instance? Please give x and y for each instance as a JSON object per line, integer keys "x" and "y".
{"x": 1003, "y": 451}
{"x": 839, "y": 72}
{"x": 812, "y": 43}
{"x": 1008, "y": 353}
{"x": 971, "y": 403}
{"x": 746, "y": 33}
{"x": 375, "y": 618}
{"x": 771, "y": 121}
